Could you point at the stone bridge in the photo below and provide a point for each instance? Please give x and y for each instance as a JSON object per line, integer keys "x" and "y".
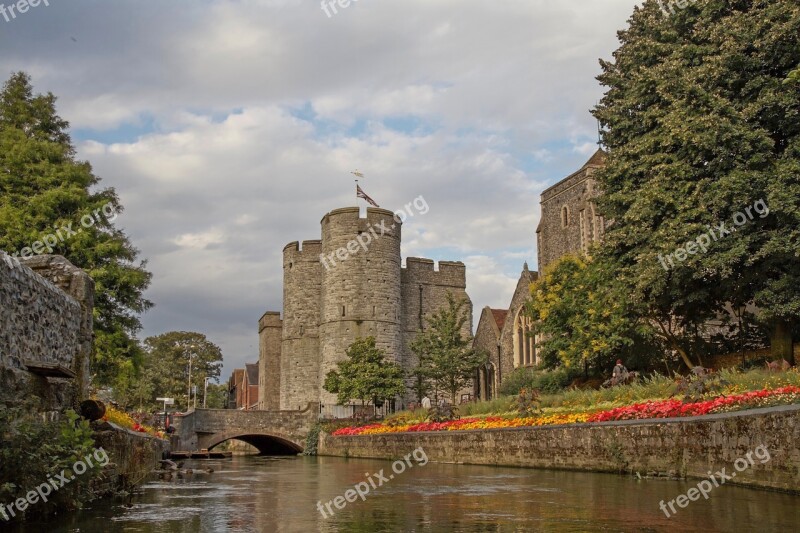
{"x": 272, "y": 432}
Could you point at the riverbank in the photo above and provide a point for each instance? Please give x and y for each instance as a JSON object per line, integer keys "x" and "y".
{"x": 133, "y": 456}
{"x": 679, "y": 447}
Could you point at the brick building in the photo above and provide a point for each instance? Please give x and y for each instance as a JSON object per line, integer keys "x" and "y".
{"x": 243, "y": 388}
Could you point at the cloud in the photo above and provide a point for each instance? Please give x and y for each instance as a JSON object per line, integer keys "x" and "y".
{"x": 230, "y": 128}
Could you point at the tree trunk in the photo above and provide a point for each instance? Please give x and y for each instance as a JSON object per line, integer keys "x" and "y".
{"x": 780, "y": 341}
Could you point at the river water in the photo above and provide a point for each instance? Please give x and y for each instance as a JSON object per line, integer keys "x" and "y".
{"x": 264, "y": 495}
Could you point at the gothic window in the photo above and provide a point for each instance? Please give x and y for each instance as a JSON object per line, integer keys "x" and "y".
{"x": 565, "y": 216}
{"x": 524, "y": 341}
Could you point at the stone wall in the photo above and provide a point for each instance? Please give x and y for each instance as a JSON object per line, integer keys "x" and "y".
{"x": 360, "y": 295}
{"x": 270, "y": 329}
{"x": 206, "y": 428}
{"x": 329, "y": 302}
{"x": 299, "y": 357}
{"x": 522, "y": 294}
{"x": 687, "y": 447}
{"x": 487, "y": 340}
{"x": 46, "y": 307}
{"x": 584, "y": 225}
{"x": 424, "y": 292}
{"x": 132, "y": 456}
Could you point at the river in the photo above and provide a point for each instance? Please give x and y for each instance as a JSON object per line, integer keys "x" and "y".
{"x": 270, "y": 494}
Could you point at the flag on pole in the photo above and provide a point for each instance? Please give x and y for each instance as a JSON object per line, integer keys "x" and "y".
{"x": 364, "y": 196}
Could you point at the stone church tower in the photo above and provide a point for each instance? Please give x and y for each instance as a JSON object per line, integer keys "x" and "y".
{"x": 329, "y": 302}
{"x": 569, "y": 224}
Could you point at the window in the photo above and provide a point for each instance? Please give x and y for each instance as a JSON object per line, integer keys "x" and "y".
{"x": 584, "y": 240}
{"x": 565, "y": 216}
{"x": 524, "y": 341}
{"x": 343, "y": 309}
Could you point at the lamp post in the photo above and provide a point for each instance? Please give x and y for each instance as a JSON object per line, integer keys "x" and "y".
{"x": 189, "y": 391}
{"x": 205, "y": 390}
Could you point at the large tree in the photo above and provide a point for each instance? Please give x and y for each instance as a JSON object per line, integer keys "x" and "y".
{"x": 700, "y": 127}
{"x": 446, "y": 357}
{"x": 584, "y": 322}
{"x": 44, "y": 188}
{"x": 365, "y": 375}
{"x": 167, "y": 362}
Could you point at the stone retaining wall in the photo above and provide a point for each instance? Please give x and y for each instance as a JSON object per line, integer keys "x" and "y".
{"x": 685, "y": 447}
{"x": 46, "y": 307}
{"x": 133, "y": 456}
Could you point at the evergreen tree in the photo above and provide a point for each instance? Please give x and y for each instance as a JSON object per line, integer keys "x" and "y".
{"x": 446, "y": 357}
{"x": 44, "y": 188}
{"x": 700, "y": 126}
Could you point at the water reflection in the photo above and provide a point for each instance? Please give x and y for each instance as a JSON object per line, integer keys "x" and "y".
{"x": 261, "y": 494}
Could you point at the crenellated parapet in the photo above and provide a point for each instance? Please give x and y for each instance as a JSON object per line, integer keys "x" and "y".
{"x": 350, "y": 284}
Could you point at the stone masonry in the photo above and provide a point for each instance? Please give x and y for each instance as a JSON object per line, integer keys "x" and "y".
{"x": 569, "y": 222}
{"x": 328, "y": 303}
{"x": 685, "y": 447}
{"x": 46, "y": 307}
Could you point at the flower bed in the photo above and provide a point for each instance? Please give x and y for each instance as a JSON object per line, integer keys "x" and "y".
{"x": 124, "y": 420}
{"x": 721, "y": 404}
{"x": 640, "y": 411}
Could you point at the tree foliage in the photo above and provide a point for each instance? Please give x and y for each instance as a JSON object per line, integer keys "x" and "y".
{"x": 699, "y": 126}
{"x": 446, "y": 358}
{"x": 581, "y": 320}
{"x": 365, "y": 375}
{"x": 164, "y": 371}
{"x": 43, "y": 188}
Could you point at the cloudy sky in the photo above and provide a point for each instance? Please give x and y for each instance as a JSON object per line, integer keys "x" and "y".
{"x": 229, "y": 129}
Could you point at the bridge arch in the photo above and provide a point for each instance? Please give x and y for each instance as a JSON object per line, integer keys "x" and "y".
{"x": 267, "y": 443}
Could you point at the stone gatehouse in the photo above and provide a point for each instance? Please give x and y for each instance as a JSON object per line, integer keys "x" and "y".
{"x": 349, "y": 284}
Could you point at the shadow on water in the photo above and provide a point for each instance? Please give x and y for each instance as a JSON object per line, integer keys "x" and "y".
{"x": 281, "y": 494}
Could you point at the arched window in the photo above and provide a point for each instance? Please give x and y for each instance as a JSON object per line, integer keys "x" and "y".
{"x": 565, "y": 216}
{"x": 488, "y": 385}
{"x": 595, "y": 223}
{"x": 524, "y": 341}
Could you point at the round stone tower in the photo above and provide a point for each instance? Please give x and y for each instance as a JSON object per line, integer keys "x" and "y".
{"x": 299, "y": 365}
{"x": 361, "y": 294}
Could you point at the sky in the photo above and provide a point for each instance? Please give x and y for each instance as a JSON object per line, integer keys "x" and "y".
{"x": 229, "y": 128}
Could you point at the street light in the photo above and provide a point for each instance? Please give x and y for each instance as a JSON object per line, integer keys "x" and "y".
{"x": 189, "y": 391}
{"x": 205, "y": 390}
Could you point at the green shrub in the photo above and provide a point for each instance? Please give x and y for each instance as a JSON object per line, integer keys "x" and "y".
{"x": 501, "y": 404}
{"x": 547, "y": 381}
{"x": 312, "y": 440}
{"x": 33, "y": 450}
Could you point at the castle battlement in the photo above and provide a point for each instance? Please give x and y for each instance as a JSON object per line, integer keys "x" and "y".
{"x": 310, "y": 249}
{"x": 270, "y": 319}
{"x": 419, "y": 270}
{"x": 325, "y": 309}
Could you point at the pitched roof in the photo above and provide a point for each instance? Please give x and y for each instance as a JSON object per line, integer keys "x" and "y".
{"x": 500, "y": 317}
{"x": 598, "y": 159}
